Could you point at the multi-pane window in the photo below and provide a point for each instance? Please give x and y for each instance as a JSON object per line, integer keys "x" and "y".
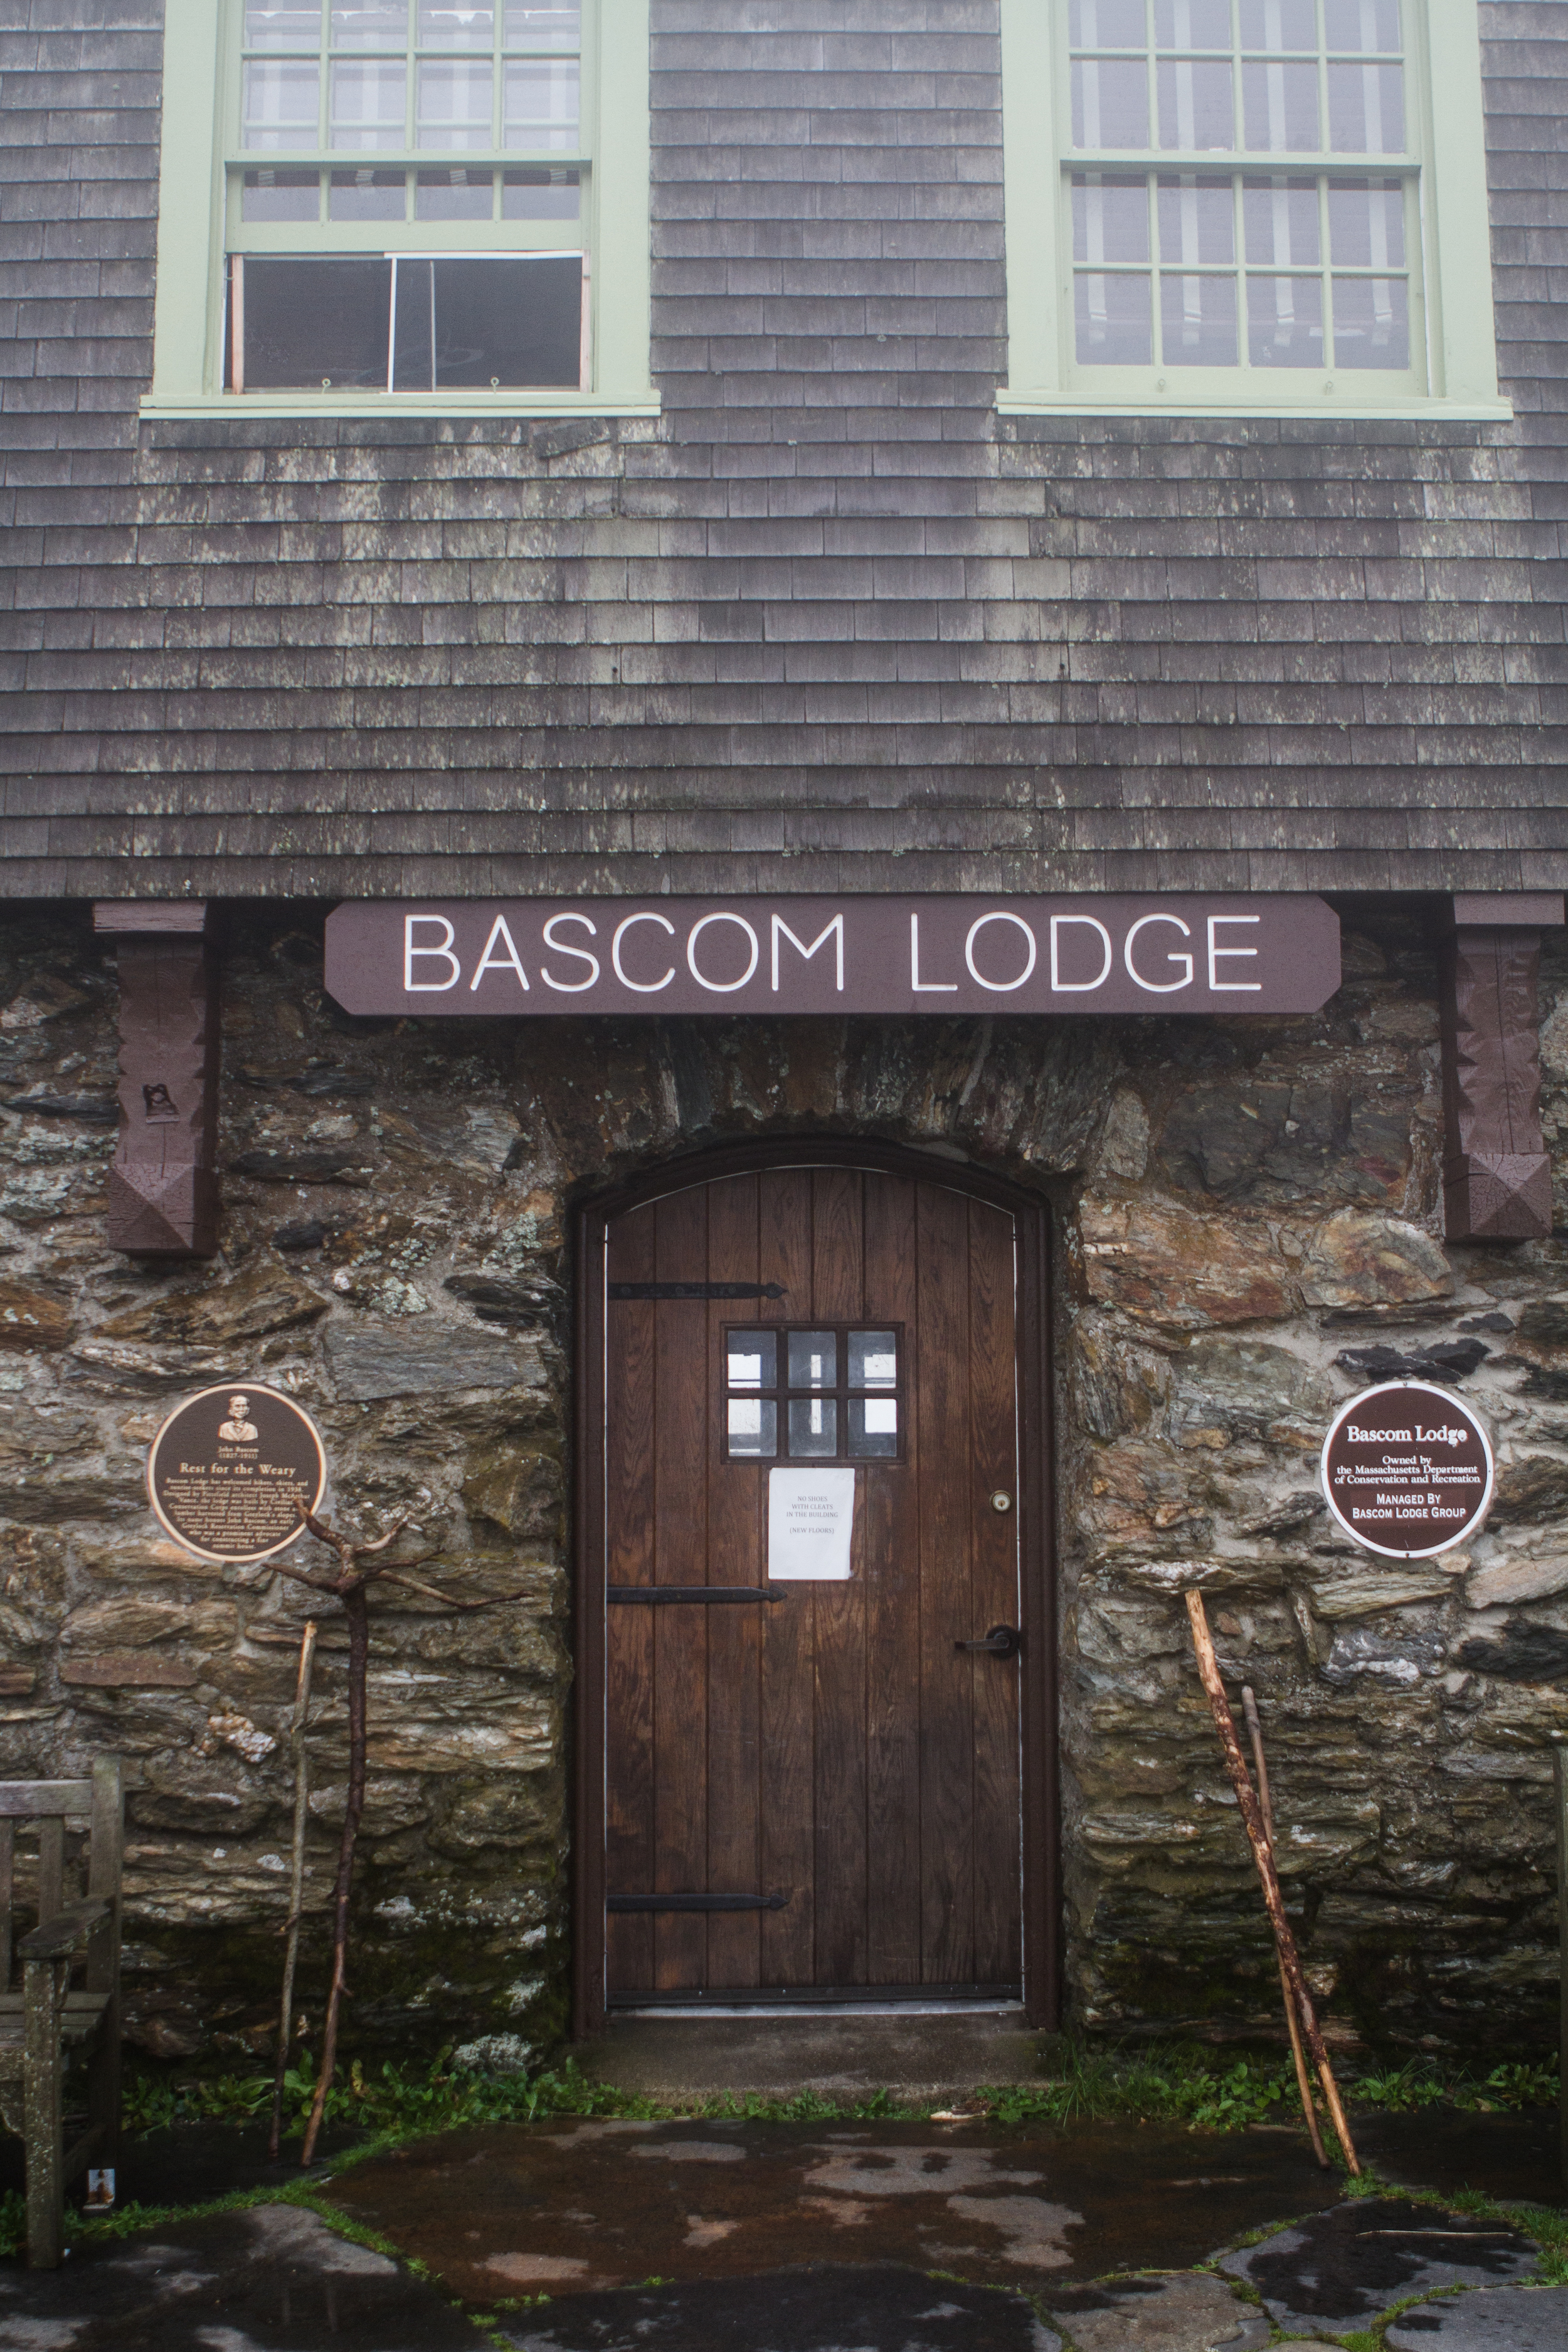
{"x": 822, "y": 1393}
{"x": 1243, "y": 186}
{"x": 406, "y": 196}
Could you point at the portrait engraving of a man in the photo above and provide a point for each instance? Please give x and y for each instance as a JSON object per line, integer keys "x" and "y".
{"x": 239, "y": 1429}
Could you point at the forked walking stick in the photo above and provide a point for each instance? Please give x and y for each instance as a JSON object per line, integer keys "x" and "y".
{"x": 1246, "y": 1797}
{"x": 296, "y": 1876}
{"x": 1303, "y": 2080}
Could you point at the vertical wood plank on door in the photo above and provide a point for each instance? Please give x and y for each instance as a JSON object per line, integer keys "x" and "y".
{"x": 995, "y": 1682}
{"x": 947, "y": 1608}
{"x": 891, "y": 1529}
{"x": 629, "y": 1519}
{"x": 681, "y": 1633}
{"x": 788, "y": 1724}
{"x": 735, "y": 1541}
{"x": 838, "y": 1613}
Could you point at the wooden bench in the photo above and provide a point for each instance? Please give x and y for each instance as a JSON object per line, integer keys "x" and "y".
{"x": 47, "y": 2022}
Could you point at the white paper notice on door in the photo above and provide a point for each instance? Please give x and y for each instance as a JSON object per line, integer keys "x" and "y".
{"x": 811, "y": 1518}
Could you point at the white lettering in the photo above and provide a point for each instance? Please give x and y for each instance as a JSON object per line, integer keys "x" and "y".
{"x": 1158, "y": 987}
{"x": 570, "y": 987}
{"x": 781, "y": 929}
{"x": 511, "y": 961}
{"x": 643, "y": 987}
{"x": 920, "y": 987}
{"x": 426, "y": 987}
{"x": 1061, "y": 987}
{"x": 1215, "y": 952}
{"x": 721, "y": 987}
{"x": 998, "y": 987}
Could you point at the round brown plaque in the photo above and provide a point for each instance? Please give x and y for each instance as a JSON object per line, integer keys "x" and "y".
{"x": 1408, "y": 1470}
{"x": 229, "y": 1466}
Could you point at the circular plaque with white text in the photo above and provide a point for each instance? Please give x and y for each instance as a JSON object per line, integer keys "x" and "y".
{"x": 230, "y": 1466}
{"x": 1408, "y": 1470}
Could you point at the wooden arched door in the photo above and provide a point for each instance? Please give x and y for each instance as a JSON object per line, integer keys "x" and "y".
{"x": 812, "y": 1790}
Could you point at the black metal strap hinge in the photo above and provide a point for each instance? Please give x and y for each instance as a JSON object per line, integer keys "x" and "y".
{"x": 695, "y": 1290}
{"x": 696, "y": 1902}
{"x": 649, "y": 1596}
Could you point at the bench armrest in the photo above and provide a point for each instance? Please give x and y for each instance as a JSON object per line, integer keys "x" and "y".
{"x": 51, "y": 1940}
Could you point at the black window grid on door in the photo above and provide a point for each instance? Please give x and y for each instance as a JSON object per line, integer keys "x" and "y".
{"x": 796, "y": 1393}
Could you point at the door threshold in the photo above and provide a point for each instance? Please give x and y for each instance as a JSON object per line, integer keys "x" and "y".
{"x": 694, "y": 2009}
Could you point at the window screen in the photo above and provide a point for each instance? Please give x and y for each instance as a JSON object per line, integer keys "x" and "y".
{"x": 405, "y": 323}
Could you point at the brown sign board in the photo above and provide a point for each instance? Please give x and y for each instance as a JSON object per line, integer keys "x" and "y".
{"x": 227, "y": 1471}
{"x": 1408, "y": 1470}
{"x": 848, "y": 954}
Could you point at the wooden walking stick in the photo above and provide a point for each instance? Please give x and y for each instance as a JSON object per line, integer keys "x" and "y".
{"x": 297, "y": 1876}
{"x": 1285, "y": 1942}
{"x": 358, "y": 1567}
{"x": 1303, "y": 2080}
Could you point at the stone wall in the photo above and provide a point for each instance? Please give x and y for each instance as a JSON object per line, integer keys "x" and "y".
{"x": 1247, "y": 1232}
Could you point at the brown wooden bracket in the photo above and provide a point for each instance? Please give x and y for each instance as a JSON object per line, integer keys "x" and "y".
{"x": 162, "y": 1184}
{"x": 1497, "y": 1176}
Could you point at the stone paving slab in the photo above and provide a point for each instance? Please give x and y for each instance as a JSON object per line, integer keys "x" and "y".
{"x": 575, "y": 2207}
{"x": 274, "y": 2278}
{"x": 854, "y": 2308}
{"x": 1500, "y": 2319}
{"x": 1340, "y": 2270}
{"x": 1182, "y": 2312}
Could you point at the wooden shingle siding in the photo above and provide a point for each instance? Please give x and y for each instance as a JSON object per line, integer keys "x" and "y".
{"x": 826, "y": 624}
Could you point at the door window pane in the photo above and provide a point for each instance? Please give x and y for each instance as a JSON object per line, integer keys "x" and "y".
{"x": 1366, "y": 110}
{"x": 457, "y": 24}
{"x": 1195, "y": 108}
{"x": 368, "y": 105}
{"x": 1110, "y": 103}
{"x": 280, "y": 105}
{"x": 370, "y": 24}
{"x": 873, "y": 1427}
{"x": 543, "y": 24}
{"x": 366, "y": 195}
{"x": 280, "y": 196}
{"x": 752, "y": 1426}
{"x": 1113, "y": 320}
{"x": 1285, "y": 321}
{"x": 813, "y": 1427}
{"x": 1197, "y": 321}
{"x": 1279, "y": 107}
{"x": 454, "y": 104}
{"x": 1280, "y": 219}
{"x": 752, "y": 1360}
{"x": 282, "y": 24}
{"x": 1366, "y": 224}
{"x": 1197, "y": 221}
{"x": 314, "y": 323}
{"x": 1371, "y": 323}
{"x": 873, "y": 1360}
{"x": 1110, "y": 218}
{"x": 541, "y": 105}
{"x": 812, "y": 1360}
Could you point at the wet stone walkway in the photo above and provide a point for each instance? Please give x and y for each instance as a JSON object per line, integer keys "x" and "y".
{"x": 875, "y": 2236}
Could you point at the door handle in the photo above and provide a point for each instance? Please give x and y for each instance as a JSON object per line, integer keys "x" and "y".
{"x": 1000, "y": 1642}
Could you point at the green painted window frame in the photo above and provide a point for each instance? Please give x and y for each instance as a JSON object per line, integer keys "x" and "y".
{"x": 1458, "y": 376}
{"x": 201, "y": 99}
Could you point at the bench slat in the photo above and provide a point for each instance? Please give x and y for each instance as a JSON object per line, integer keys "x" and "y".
{"x": 24, "y": 1800}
